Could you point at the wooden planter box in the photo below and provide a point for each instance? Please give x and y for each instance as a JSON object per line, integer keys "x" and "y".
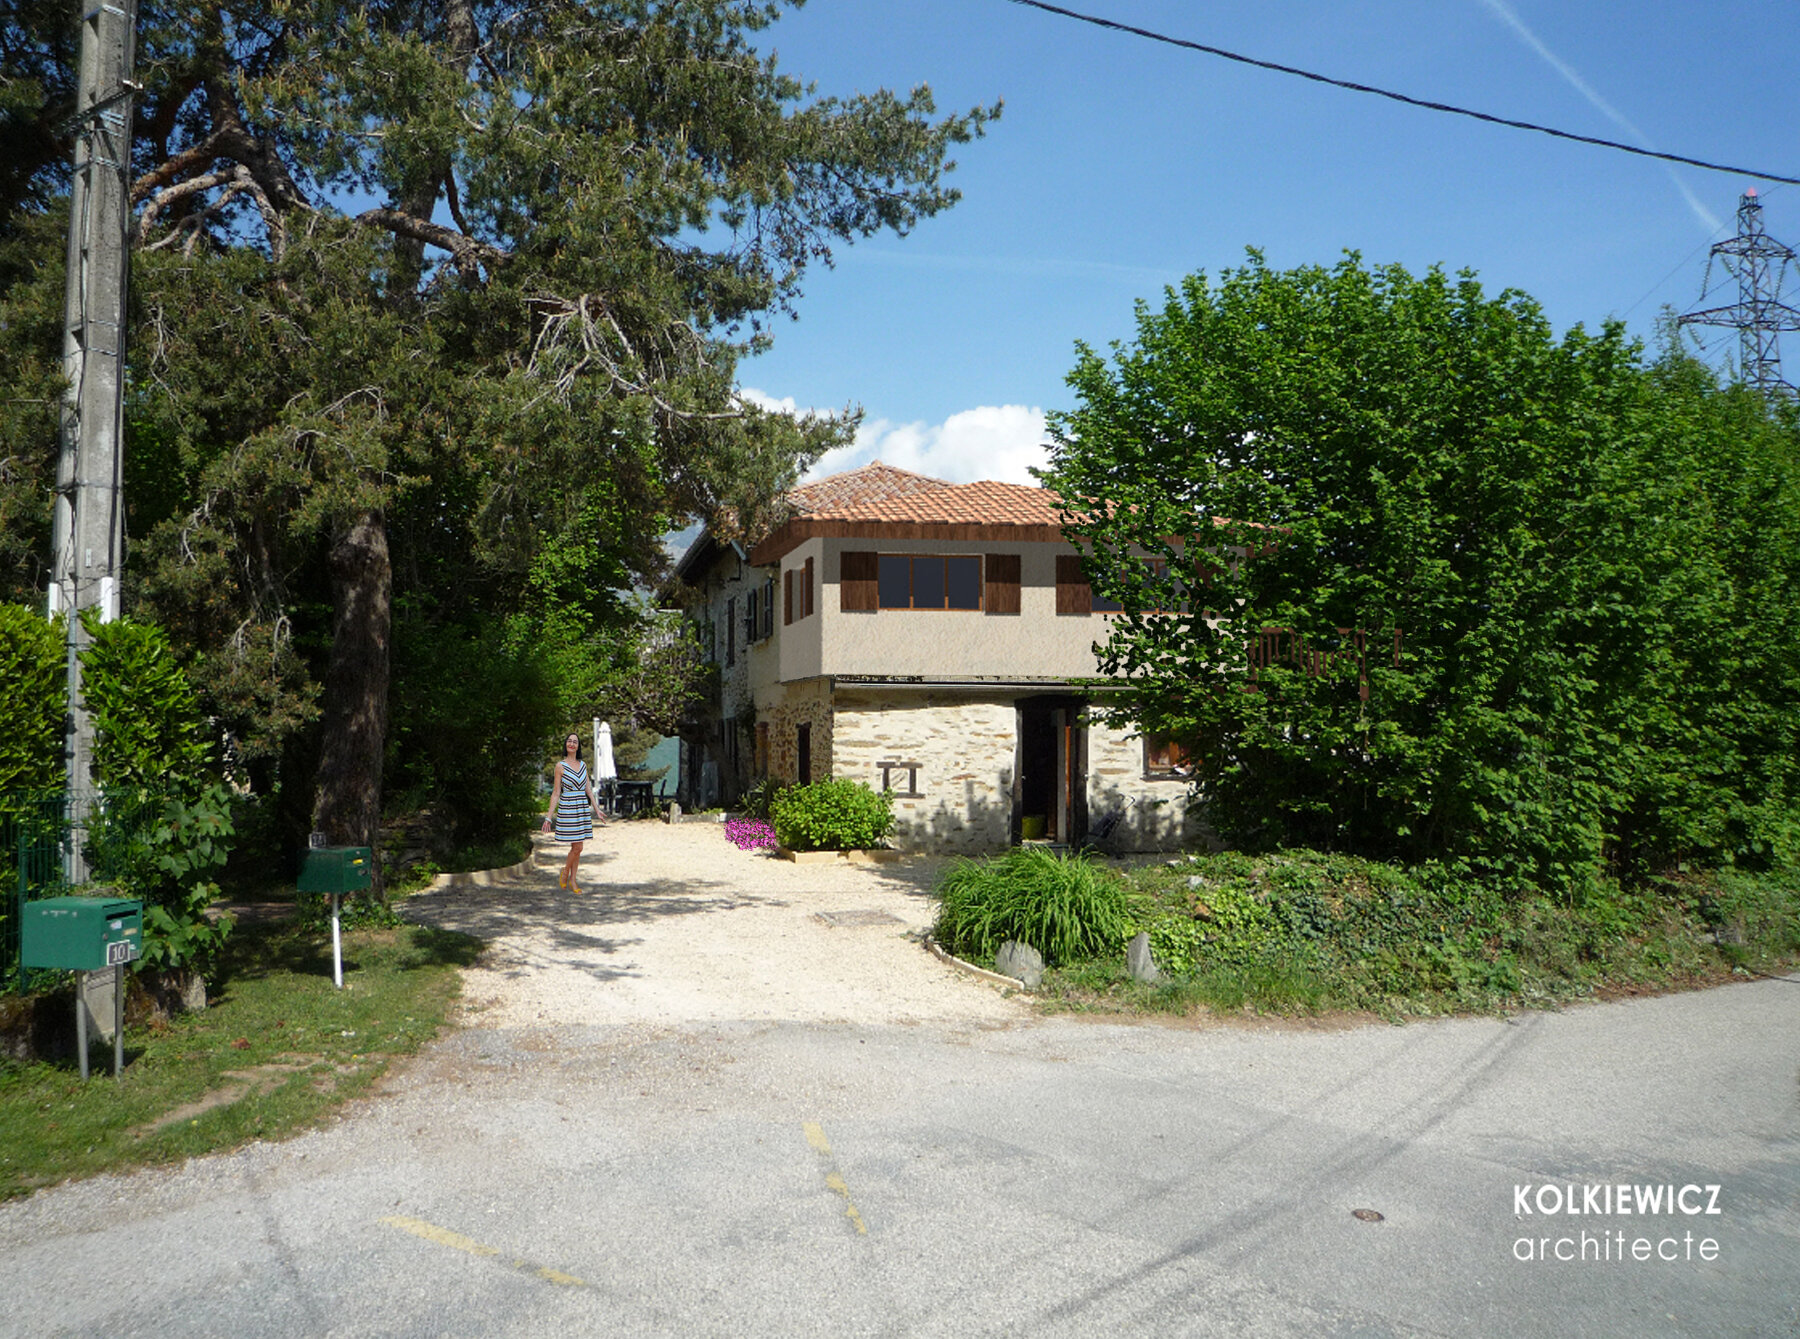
{"x": 859, "y": 857}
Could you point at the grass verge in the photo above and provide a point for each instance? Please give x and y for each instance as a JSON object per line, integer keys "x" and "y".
{"x": 1303, "y": 932}
{"x": 278, "y": 1048}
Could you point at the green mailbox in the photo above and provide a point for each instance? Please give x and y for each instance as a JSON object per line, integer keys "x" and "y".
{"x": 335, "y": 869}
{"x": 81, "y": 934}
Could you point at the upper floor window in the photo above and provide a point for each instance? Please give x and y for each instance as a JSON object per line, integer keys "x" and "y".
{"x": 928, "y": 581}
{"x": 797, "y": 592}
{"x": 759, "y": 612}
{"x": 869, "y": 581}
{"x": 1075, "y": 596}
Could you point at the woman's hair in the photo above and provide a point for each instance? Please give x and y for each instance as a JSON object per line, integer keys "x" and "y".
{"x": 566, "y": 739}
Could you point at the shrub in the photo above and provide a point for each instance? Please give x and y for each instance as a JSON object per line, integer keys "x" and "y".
{"x": 33, "y": 689}
{"x": 164, "y": 848}
{"x": 148, "y": 731}
{"x": 831, "y": 815}
{"x": 1064, "y": 906}
{"x": 760, "y": 798}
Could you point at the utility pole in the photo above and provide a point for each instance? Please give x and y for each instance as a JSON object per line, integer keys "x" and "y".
{"x": 1759, "y": 263}
{"x": 87, "y": 538}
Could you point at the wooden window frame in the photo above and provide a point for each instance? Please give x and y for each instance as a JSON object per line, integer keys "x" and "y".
{"x": 944, "y": 608}
{"x": 888, "y": 766}
{"x": 810, "y": 584}
{"x": 1165, "y": 759}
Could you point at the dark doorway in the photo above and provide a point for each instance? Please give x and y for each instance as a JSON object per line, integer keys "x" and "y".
{"x": 1051, "y": 792}
{"x": 1037, "y": 772}
{"x": 803, "y": 754}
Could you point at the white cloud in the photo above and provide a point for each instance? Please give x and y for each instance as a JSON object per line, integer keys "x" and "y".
{"x": 988, "y": 442}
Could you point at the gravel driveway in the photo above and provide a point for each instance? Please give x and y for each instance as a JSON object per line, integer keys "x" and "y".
{"x": 674, "y": 924}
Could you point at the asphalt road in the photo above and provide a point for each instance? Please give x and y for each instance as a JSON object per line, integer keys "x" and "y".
{"x": 1051, "y": 1177}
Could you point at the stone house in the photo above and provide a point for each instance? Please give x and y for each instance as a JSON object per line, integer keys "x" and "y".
{"x": 930, "y": 638}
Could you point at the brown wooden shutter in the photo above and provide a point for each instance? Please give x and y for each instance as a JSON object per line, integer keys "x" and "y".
{"x": 809, "y": 589}
{"x": 787, "y": 597}
{"x": 858, "y": 582}
{"x": 1002, "y": 573}
{"x": 1073, "y": 595}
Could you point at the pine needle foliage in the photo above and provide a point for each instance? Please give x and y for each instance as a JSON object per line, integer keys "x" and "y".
{"x": 1066, "y": 907}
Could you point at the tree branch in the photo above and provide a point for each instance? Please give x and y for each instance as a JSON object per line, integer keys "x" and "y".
{"x": 466, "y": 253}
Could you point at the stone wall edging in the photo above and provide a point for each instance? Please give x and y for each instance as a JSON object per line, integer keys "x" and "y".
{"x": 949, "y": 959}
{"x": 481, "y": 877}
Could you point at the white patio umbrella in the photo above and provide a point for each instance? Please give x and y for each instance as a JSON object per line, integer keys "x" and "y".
{"x": 605, "y": 771}
{"x": 604, "y": 767}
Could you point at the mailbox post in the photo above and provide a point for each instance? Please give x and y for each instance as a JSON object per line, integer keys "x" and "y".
{"x": 86, "y": 934}
{"x": 335, "y": 870}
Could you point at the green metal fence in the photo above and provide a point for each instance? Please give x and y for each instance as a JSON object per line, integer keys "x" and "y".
{"x": 34, "y": 837}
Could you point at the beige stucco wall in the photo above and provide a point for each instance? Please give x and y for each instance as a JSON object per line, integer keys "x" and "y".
{"x": 966, "y": 748}
{"x": 1035, "y": 642}
{"x": 800, "y": 640}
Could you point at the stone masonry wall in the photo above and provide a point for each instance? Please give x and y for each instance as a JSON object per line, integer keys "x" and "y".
{"x": 1152, "y": 814}
{"x": 965, "y": 750}
{"x": 804, "y": 703}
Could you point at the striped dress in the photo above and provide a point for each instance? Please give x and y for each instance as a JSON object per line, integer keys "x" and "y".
{"x": 574, "y": 815}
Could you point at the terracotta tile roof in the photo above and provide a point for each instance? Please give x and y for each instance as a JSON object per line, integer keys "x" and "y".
{"x": 872, "y": 483}
{"x": 879, "y": 492}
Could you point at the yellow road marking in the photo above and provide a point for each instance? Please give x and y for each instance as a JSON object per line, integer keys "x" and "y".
{"x": 815, "y": 1135}
{"x": 443, "y": 1236}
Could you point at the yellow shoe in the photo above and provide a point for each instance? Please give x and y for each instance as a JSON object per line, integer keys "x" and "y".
{"x": 562, "y": 878}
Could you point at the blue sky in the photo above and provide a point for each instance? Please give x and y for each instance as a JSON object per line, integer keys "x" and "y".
{"x": 1121, "y": 165}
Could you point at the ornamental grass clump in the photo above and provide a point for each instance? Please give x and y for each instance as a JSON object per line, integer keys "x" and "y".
{"x": 1065, "y": 906}
{"x": 832, "y": 815}
{"x": 749, "y": 834}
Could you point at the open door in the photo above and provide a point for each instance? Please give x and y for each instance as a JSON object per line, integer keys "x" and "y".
{"x": 1050, "y": 794}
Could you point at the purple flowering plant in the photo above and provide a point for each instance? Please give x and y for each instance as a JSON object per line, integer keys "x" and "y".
{"x": 750, "y": 834}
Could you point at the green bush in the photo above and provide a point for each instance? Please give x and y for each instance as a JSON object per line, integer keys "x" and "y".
{"x": 831, "y": 815}
{"x": 760, "y": 798}
{"x": 148, "y": 731}
{"x": 1065, "y": 906}
{"x": 164, "y": 823}
{"x": 33, "y": 691}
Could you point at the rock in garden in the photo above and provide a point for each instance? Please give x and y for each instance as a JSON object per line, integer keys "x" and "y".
{"x": 1138, "y": 960}
{"x": 1021, "y": 961}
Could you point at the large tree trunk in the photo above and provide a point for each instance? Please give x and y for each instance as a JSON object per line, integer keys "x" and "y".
{"x": 347, "y": 805}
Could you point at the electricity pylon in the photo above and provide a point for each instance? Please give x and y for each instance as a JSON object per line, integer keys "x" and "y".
{"x": 1759, "y": 263}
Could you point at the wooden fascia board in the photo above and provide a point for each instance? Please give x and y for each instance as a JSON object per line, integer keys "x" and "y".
{"x": 796, "y": 532}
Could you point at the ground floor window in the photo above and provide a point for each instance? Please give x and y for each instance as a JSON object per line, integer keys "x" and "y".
{"x": 1165, "y": 758}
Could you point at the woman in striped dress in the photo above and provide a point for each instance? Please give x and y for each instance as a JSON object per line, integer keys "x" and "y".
{"x": 572, "y": 808}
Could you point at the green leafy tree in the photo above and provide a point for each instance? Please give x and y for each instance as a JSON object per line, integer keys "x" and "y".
{"x": 437, "y": 309}
{"x": 1436, "y": 584}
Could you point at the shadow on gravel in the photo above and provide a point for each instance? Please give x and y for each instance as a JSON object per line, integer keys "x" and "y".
{"x": 531, "y": 923}
{"x": 575, "y": 926}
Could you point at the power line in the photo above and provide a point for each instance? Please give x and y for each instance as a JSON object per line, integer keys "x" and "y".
{"x": 1402, "y": 97}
